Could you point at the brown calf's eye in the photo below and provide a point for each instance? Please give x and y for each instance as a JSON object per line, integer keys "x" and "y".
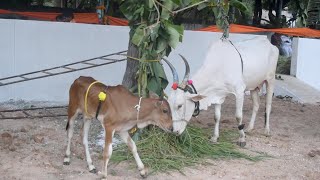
{"x": 165, "y": 111}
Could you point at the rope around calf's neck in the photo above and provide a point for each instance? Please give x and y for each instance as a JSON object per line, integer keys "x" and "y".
{"x": 137, "y": 107}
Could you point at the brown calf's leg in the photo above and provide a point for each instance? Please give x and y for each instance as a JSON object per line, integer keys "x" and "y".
{"x": 132, "y": 146}
{"x": 86, "y": 127}
{"x": 72, "y": 115}
{"x": 107, "y": 152}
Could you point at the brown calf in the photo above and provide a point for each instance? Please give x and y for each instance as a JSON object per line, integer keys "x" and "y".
{"x": 118, "y": 113}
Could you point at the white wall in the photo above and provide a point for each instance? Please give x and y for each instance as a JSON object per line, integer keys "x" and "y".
{"x": 305, "y": 61}
{"x": 34, "y": 45}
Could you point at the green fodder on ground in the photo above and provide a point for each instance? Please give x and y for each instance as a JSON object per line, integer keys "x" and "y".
{"x": 163, "y": 152}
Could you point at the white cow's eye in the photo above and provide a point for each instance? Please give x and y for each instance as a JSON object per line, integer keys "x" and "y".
{"x": 180, "y": 106}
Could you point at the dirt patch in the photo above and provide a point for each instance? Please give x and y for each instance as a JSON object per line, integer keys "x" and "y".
{"x": 34, "y": 148}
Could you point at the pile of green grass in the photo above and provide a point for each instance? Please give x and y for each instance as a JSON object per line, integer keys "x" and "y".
{"x": 162, "y": 152}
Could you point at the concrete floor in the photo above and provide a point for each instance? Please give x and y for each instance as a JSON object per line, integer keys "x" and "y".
{"x": 298, "y": 90}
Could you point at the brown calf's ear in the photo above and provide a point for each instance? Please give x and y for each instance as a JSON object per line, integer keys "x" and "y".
{"x": 153, "y": 95}
{"x": 158, "y": 103}
{"x": 196, "y": 97}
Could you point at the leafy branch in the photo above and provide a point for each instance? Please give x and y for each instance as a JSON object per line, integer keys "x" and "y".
{"x": 155, "y": 34}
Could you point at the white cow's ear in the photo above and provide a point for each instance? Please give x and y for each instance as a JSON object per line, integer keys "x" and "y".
{"x": 196, "y": 97}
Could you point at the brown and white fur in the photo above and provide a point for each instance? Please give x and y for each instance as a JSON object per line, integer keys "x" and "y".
{"x": 117, "y": 114}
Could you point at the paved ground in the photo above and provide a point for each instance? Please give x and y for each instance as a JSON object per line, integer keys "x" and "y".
{"x": 298, "y": 90}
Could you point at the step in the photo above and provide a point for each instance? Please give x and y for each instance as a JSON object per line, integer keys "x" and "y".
{"x": 297, "y": 89}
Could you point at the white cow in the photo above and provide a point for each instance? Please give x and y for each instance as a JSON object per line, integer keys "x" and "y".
{"x": 225, "y": 72}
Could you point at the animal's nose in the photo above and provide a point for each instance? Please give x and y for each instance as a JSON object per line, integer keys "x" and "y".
{"x": 175, "y": 132}
{"x": 171, "y": 129}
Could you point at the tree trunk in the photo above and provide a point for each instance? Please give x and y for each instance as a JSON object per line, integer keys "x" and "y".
{"x": 313, "y": 11}
{"x": 272, "y": 17}
{"x": 129, "y": 78}
{"x": 279, "y": 10}
{"x": 232, "y": 12}
{"x": 257, "y": 12}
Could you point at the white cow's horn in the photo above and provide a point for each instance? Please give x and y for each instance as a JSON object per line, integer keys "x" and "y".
{"x": 187, "y": 73}
{"x": 174, "y": 73}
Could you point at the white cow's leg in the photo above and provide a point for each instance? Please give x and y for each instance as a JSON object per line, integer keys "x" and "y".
{"x": 256, "y": 103}
{"x": 270, "y": 88}
{"x": 239, "y": 106}
{"x": 107, "y": 151}
{"x": 217, "y": 116}
{"x": 132, "y": 146}
{"x": 72, "y": 115}
{"x": 86, "y": 127}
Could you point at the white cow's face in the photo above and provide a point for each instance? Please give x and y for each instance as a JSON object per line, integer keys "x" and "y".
{"x": 182, "y": 106}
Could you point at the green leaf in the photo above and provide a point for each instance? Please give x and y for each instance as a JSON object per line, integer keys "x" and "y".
{"x": 150, "y": 3}
{"x": 127, "y": 9}
{"x": 158, "y": 70}
{"x": 154, "y": 86}
{"x": 175, "y": 33}
{"x": 138, "y": 36}
{"x": 165, "y": 14}
{"x": 158, "y": 82}
{"x": 154, "y": 32}
{"x": 216, "y": 12}
{"x": 177, "y": 2}
{"x": 239, "y": 5}
{"x": 301, "y": 5}
{"x": 186, "y": 2}
{"x": 161, "y": 45}
{"x": 139, "y": 11}
{"x": 180, "y": 29}
{"x": 202, "y": 6}
{"x": 174, "y": 37}
{"x": 163, "y": 33}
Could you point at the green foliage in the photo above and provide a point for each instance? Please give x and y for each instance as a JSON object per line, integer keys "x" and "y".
{"x": 155, "y": 34}
{"x": 166, "y": 152}
{"x": 313, "y": 11}
{"x": 239, "y": 5}
{"x": 220, "y": 8}
{"x": 299, "y": 8}
{"x": 283, "y": 65}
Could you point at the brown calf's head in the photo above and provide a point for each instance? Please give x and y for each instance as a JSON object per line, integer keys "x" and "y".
{"x": 161, "y": 114}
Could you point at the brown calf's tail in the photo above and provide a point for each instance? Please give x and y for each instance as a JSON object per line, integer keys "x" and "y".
{"x": 67, "y": 126}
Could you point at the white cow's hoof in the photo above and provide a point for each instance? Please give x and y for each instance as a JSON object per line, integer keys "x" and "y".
{"x": 143, "y": 173}
{"x": 250, "y": 132}
{"x": 94, "y": 171}
{"x": 66, "y": 161}
{"x": 241, "y": 144}
{"x": 214, "y": 140}
{"x": 267, "y": 132}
